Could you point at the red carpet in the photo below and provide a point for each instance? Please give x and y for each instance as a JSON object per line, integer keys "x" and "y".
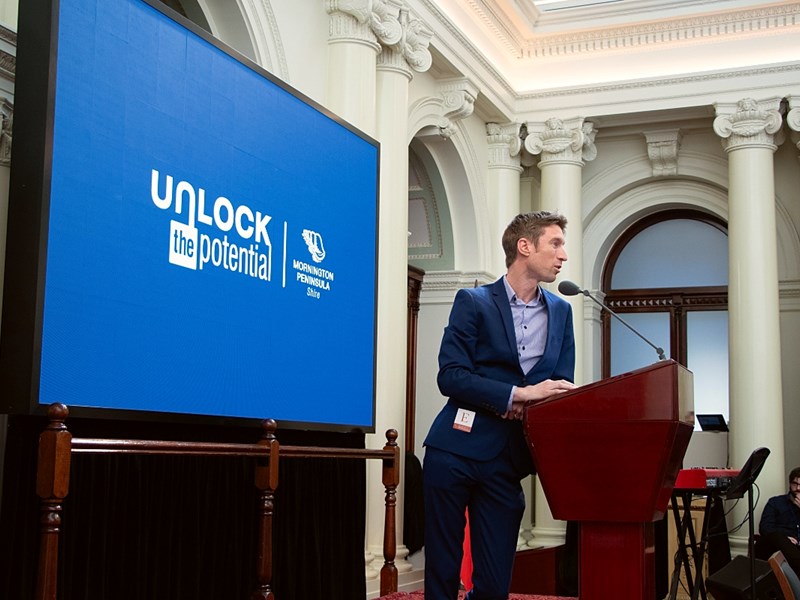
{"x": 420, "y": 596}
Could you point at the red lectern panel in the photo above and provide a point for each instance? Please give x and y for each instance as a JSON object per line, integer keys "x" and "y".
{"x": 607, "y": 455}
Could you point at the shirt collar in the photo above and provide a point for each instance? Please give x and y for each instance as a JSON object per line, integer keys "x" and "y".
{"x": 512, "y": 296}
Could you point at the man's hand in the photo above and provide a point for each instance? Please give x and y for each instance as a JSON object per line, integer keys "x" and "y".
{"x": 532, "y": 393}
{"x": 543, "y": 389}
{"x": 795, "y": 499}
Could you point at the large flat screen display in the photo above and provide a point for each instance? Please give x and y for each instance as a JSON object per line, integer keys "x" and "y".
{"x": 208, "y": 234}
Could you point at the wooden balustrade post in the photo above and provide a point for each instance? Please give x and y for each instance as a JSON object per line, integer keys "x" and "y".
{"x": 52, "y": 486}
{"x": 266, "y": 482}
{"x": 391, "y": 479}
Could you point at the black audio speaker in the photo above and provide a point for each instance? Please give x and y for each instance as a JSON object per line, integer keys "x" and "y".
{"x": 732, "y": 582}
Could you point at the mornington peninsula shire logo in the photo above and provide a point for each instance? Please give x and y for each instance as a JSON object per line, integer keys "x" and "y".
{"x": 315, "y": 277}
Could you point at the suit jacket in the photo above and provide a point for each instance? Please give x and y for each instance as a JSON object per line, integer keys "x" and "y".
{"x": 479, "y": 365}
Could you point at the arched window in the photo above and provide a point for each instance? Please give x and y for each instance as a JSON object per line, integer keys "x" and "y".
{"x": 667, "y": 276}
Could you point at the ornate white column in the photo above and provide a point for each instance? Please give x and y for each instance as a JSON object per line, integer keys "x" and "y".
{"x": 396, "y": 64}
{"x": 503, "y": 204}
{"x": 356, "y": 30}
{"x": 502, "y": 184}
{"x": 748, "y": 130}
{"x": 563, "y": 147}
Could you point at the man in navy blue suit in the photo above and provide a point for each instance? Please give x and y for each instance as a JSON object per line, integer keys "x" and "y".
{"x": 507, "y": 344}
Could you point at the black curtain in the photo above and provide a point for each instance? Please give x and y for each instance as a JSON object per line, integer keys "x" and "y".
{"x": 174, "y": 527}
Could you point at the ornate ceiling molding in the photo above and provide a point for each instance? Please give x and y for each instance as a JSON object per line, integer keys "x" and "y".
{"x": 528, "y": 44}
{"x": 698, "y": 28}
{"x": 661, "y": 82}
{"x": 494, "y": 19}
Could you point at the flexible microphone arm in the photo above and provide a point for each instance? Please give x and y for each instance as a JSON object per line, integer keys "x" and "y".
{"x": 570, "y": 289}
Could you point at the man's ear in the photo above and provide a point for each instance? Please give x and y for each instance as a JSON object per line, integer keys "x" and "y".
{"x": 524, "y": 247}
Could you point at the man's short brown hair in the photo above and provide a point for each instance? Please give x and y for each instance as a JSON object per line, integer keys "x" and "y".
{"x": 529, "y": 226}
{"x": 795, "y": 474}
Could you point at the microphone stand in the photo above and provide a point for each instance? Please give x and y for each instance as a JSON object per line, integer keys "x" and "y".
{"x": 659, "y": 351}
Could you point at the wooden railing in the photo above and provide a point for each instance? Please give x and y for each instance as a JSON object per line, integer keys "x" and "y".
{"x": 56, "y": 446}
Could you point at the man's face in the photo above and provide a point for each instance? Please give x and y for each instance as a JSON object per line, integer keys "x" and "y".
{"x": 794, "y": 487}
{"x": 547, "y": 255}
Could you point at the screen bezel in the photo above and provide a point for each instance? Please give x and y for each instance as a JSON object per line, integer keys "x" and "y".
{"x": 28, "y": 220}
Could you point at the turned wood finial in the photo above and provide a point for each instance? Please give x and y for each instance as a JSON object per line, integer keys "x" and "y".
{"x": 270, "y": 427}
{"x": 57, "y": 413}
{"x": 391, "y": 437}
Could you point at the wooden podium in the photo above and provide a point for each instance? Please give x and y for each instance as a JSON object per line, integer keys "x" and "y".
{"x": 607, "y": 455}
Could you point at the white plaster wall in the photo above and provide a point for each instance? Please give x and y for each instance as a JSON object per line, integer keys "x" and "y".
{"x": 303, "y": 30}
{"x": 433, "y": 315}
{"x": 8, "y": 13}
{"x": 790, "y": 350}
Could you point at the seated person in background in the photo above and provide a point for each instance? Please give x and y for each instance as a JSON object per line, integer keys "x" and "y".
{"x": 780, "y": 524}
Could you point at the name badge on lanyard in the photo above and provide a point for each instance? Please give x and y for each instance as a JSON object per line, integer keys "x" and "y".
{"x": 464, "y": 420}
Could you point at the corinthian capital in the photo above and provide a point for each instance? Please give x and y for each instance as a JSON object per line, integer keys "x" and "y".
{"x": 748, "y": 123}
{"x": 385, "y": 22}
{"x": 504, "y": 145}
{"x": 413, "y": 44}
{"x": 380, "y": 17}
{"x": 560, "y": 141}
{"x": 793, "y": 118}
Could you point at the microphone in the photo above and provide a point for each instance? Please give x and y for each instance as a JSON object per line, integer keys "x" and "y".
{"x": 570, "y": 289}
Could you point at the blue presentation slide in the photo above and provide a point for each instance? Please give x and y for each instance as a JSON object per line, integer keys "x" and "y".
{"x": 212, "y": 234}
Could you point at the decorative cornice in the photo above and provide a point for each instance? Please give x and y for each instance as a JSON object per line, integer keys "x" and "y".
{"x": 699, "y": 28}
{"x": 453, "y": 41}
{"x": 662, "y": 150}
{"x": 494, "y": 19}
{"x": 660, "y": 82}
{"x": 436, "y": 282}
{"x": 748, "y": 123}
{"x": 558, "y": 141}
{"x": 464, "y": 43}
